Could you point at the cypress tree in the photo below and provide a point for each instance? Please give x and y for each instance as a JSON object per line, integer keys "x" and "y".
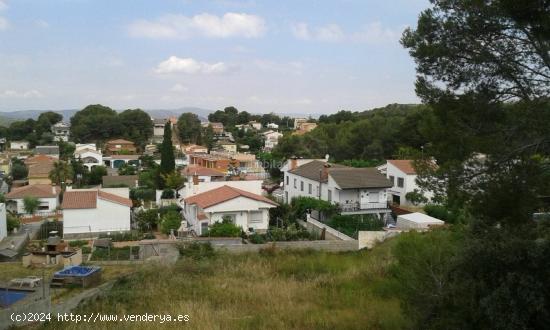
{"x": 167, "y": 158}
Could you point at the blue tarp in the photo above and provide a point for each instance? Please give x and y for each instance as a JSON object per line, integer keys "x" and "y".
{"x": 78, "y": 271}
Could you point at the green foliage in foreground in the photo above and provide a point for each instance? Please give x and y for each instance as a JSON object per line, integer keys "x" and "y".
{"x": 223, "y": 229}
{"x": 351, "y": 224}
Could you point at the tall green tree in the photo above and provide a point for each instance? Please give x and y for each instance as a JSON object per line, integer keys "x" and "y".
{"x": 30, "y": 204}
{"x": 95, "y": 123}
{"x": 167, "y": 158}
{"x": 189, "y": 128}
{"x": 136, "y": 126}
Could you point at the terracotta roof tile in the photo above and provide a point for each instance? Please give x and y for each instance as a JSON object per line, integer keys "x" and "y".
{"x": 35, "y": 190}
{"x": 223, "y": 194}
{"x": 404, "y": 165}
{"x": 201, "y": 171}
{"x": 87, "y": 199}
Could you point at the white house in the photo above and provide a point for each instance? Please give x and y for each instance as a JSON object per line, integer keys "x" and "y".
{"x": 86, "y": 213}
{"x": 255, "y": 125}
{"x": 61, "y": 131}
{"x": 245, "y": 209}
{"x": 273, "y": 126}
{"x": 19, "y": 145}
{"x": 402, "y": 175}
{"x": 271, "y": 139}
{"x": 47, "y": 195}
{"x": 89, "y": 157}
{"x": 3, "y": 222}
{"x": 354, "y": 190}
{"x": 82, "y": 146}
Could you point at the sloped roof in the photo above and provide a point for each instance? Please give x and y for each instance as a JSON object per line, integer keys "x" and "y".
{"x": 130, "y": 157}
{"x": 41, "y": 158}
{"x": 112, "y": 180}
{"x": 87, "y": 199}
{"x": 404, "y": 165}
{"x": 313, "y": 170}
{"x": 201, "y": 171}
{"x": 223, "y": 194}
{"x": 355, "y": 178}
{"x": 119, "y": 141}
{"x": 40, "y": 169}
{"x": 35, "y": 190}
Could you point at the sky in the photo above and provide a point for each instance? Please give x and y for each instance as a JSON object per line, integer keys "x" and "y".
{"x": 285, "y": 56}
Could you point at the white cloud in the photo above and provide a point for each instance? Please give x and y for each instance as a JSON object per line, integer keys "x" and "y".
{"x": 183, "y": 27}
{"x": 176, "y": 64}
{"x": 179, "y": 88}
{"x": 10, "y": 93}
{"x": 370, "y": 33}
{"x": 3, "y": 5}
{"x": 4, "y": 24}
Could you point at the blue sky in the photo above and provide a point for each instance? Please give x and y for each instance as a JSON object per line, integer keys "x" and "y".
{"x": 287, "y": 56}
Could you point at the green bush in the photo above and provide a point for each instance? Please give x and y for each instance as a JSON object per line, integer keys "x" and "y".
{"x": 224, "y": 229}
{"x": 78, "y": 243}
{"x": 351, "y": 224}
{"x": 167, "y": 194}
{"x": 147, "y": 219}
{"x": 442, "y": 213}
{"x": 86, "y": 250}
{"x": 196, "y": 250}
{"x": 291, "y": 233}
{"x": 146, "y": 194}
{"x": 171, "y": 220}
{"x": 12, "y": 222}
{"x": 300, "y": 205}
{"x": 257, "y": 238}
{"x": 121, "y": 253}
{"x": 132, "y": 235}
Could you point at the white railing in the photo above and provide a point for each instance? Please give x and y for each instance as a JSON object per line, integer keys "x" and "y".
{"x": 351, "y": 207}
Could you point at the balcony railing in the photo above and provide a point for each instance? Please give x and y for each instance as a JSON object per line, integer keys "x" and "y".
{"x": 354, "y": 207}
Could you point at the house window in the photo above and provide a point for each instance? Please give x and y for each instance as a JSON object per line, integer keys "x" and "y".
{"x": 231, "y": 217}
{"x": 392, "y": 179}
{"x": 329, "y": 195}
{"x": 204, "y": 227}
{"x": 287, "y": 180}
{"x": 309, "y": 188}
{"x": 400, "y": 182}
{"x": 295, "y": 183}
{"x": 256, "y": 217}
{"x": 301, "y": 185}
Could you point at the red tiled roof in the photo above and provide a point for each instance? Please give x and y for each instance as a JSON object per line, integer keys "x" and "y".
{"x": 40, "y": 169}
{"x": 39, "y": 159}
{"x": 223, "y": 194}
{"x": 87, "y": 199}
{"x": 35, "y": 190}
{"x": 201, "y": 171}
{"x": 404, "y": 165}
{"x": 119, "y": 141}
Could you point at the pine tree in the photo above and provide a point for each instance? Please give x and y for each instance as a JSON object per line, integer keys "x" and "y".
{"x": 167, "y": 159}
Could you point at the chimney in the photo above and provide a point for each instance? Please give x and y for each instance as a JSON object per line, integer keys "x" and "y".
{"x": 293, "y": 162}
{"x": 324, "y": 171}
{"x": 195, "y": 179}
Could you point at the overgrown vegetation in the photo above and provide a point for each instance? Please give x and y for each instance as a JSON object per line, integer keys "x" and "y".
{"x": 225, "y": 228}
{"x": 352, "y": 224}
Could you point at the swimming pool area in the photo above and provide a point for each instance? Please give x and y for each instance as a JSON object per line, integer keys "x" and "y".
{"x": 9, "y": 297}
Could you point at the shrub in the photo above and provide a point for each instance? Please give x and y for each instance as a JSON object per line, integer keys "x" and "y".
{"x": 167, "y": 194}
{"x": 443, "y": 213}
{"x": 86, "y": 250}
{"x": 147, "y": 219}
{"x": 170, "y": 221}
{"x": 123, "y": 237}
{"x": 145, "y": 194}
{"x": 121, "y": 253}
{"x": 416, "y": 197}
{"x": 300, "y": 205}
{"x": 351, "y": 224}
{"x": 196, "y": 250}
{"x": 226, "y": 228}
{"x": 257, "y": 238}
{"x": 78, "y": 243}
{"x": 12, "y": 222}
{"x": 291, "y": 233}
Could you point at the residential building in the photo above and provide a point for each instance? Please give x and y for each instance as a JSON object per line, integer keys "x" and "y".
{"x": 3, "y": 222}
{"x": 19, "y": 145}
{"x": 3, "y": 144}
{"x": 201, "y": 174}
{"x": 82, "y": 146}
{"x": 255, "y": 125}
{"x": 244, "y": 163}
{"x": 52, "y": 151}
{"x": 220, "y": 163}
{"x": 119, "y": 146}
{"x": 244, "y": 209}
{"x": 227, "y": 146}
{"x": 194, "y": 149}
{"x": 298, "y": 122}
{"x": 61, "y": 131}
{"x": 271, "y": 139}
{"x": 158, "y": 129}
{"x": 89, "y": 157}
{"x": 272, "y": 126}
{"x": 244, "y": 127}
{"x": 217, "y": 128}
{"x": 47, "y": 195}
{"x": 87, "y": 213}
{"x": 354, "y": 190}
{"x": 402, "y": 175}
{"x": 116, "y": 161}
{"x": 39, "y": 168}
{"x": 5, "y": 164}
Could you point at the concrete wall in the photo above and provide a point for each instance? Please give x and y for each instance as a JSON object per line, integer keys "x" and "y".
{"x": 368, "y": 239}
{"x": 3, "y": 221}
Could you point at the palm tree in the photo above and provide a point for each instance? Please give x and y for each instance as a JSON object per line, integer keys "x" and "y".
{"x": 61, "y": 172}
